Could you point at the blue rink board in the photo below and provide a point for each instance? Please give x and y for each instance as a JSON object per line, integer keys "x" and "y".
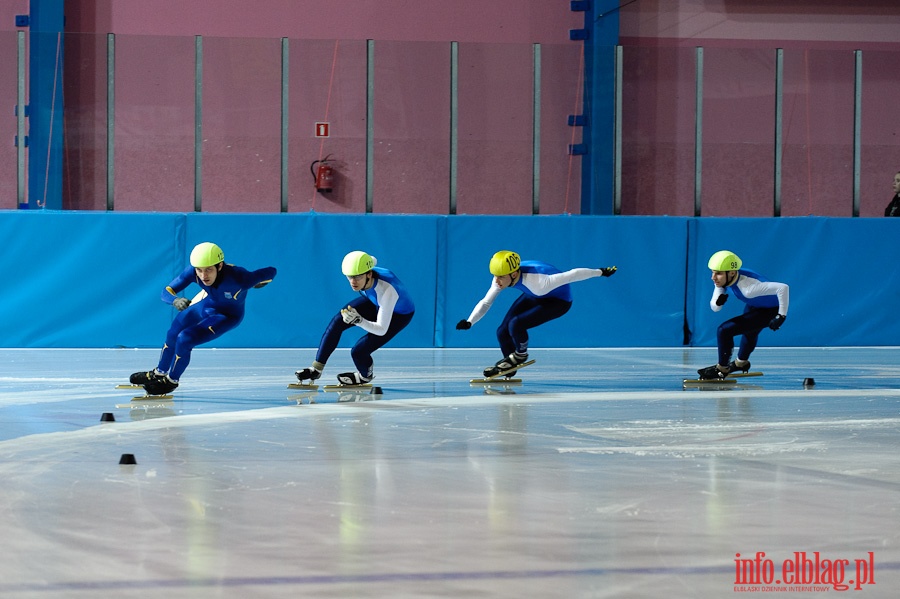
{"x": 98, "y": 283}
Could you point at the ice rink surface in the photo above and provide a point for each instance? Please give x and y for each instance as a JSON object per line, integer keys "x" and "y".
{"x": 598, "y": 476}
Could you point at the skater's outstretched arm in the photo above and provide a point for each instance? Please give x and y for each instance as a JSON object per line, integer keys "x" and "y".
{"x": 262, "y": 277}
{"x": 482, "y": 307}
{"x": 542, "y": 284}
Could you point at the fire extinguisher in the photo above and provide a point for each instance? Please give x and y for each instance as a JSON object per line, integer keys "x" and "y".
{"x": 323, "y": 175}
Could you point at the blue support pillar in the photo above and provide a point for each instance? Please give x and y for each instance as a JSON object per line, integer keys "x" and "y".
{"x": 600, "y": 37}
{"x": 45, "y": 102}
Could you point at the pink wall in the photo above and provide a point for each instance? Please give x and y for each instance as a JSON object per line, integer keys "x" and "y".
{"x": 739, "y": 38}
{"x": 510, "y": 21}
{"x": 241, "y": 87}
{"x": 154, "y": 109}
{"x": 817, "y": 23}
{"x": 8, "y": 153}
{"x": 8, "y": 125}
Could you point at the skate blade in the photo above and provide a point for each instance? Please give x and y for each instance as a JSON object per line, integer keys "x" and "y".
{"x": 740, "y": 375}
{"x": 342, "y": 386}
{"x": 304, "y": 386}
{"x": 128, "y": 386}
{"x": 151, "y": 398}
{"x": 495, "y": 381}
{"x": 728, "y": 380}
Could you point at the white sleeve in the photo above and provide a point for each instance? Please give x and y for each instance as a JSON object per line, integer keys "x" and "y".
{"x": 540, "y": 284}
{"x": 779, "y": 290}
{"x": 484, "y": 305}
{"x": 783, "y": 293}
{"x": 387, "y": 300}
{"x": 784, "y": 298}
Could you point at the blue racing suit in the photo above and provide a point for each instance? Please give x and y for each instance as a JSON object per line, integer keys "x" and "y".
{"x": 220, "y": 311}
{"x": 765, "y": 300}
{"x": 546, "y": 295}
{"x": 386, "y": 308}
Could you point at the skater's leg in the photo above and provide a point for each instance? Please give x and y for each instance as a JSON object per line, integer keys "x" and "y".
{"x": 757, "y": 319}
{"x": 362, "y": 350}
{"x": 206, "y": 330}
{"x": 725, "y": 335}
{"x": 504, "y": 333}
{"x": 336, "y": 327}
{"x": 527, "y": 313}
{"x": 748, "y": 325}
{"x": 330, "y": 338}
{"x": 184, "y": 319}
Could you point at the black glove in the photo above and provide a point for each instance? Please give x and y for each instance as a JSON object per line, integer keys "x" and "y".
{"x": 610, "y": 271}
{"x": 776, "y": 322}
{"x": 720, "y": 301}
{"x": 463, "y": 325}
{"x": 181, "y": 303}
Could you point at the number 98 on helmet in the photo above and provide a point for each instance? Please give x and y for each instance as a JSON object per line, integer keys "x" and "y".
{"x": 724, "y": 260}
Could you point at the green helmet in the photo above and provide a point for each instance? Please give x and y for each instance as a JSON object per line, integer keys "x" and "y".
{"x": 504, "y": 262}
{"x": 206, "y": 254}
{"x": 724, "y": 260}
{"x": 357, "y": 263}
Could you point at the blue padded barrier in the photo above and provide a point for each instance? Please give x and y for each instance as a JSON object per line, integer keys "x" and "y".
{"x": 309, "y": 289}
{"x": 844, "y": 284}
{"x": 641, "y": 305}
{"x": 76, "y": 279}
{"x": 93, "y": 279}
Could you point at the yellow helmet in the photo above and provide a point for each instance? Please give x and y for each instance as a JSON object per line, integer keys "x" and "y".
{"x": 724, "y": 260}
{"x": 357, "y": 262}
{"x": 504, "y": 262}
{"x": 206, "y": 254}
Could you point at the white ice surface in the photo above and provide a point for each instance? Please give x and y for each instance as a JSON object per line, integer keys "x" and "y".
{"x": 598, "y": 476}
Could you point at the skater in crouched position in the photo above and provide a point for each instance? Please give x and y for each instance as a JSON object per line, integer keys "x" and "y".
{"x": 221, "y": 310}
{"x": 546, "y": 295}
{"x": 383, "y": 309}
{"x": 766, "y": 306}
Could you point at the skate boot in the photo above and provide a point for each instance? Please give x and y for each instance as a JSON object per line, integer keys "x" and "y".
{"x": 142, "y": 378}
{"x": 510, "y": 361}
{"x": 353, "y": 378}
{"x": 733, "y": 367}
{"x": 711, "y": 373}
{"x": 312, "y": 373}
{"x": 160, "y": 385}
